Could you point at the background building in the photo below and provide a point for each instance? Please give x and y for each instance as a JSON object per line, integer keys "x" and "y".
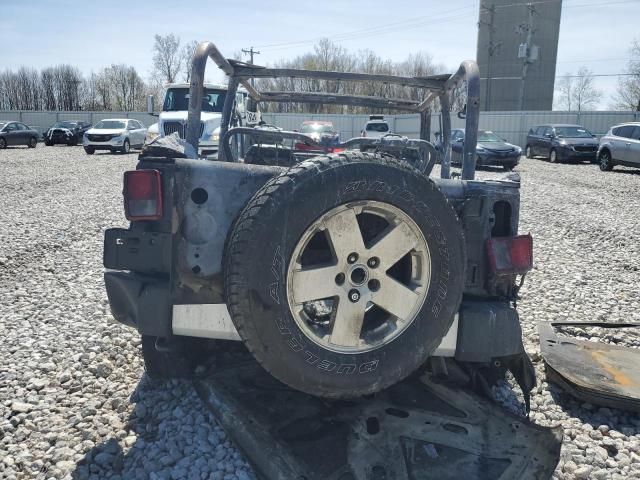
{"x": 518, "y": 40}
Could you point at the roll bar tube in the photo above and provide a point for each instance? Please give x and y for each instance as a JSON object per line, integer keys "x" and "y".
{"x": 203, "y": 51}
{"x": 468, "y": 71}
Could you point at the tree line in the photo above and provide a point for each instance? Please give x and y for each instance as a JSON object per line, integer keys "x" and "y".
{"x": 330, "y": 56}
{"x": 121, "y": 88}
{"x": 116, "y": 87}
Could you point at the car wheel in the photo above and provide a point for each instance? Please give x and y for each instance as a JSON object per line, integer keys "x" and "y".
{"x": 528, "y": 152}
{"x": 48, "y": 143}
{"x": 604, "y": 161}
{"x": 508, "y": 166}
{"x": 3, "y": 143}
{"x": 343, "y": 273}
{"x": 89, "y": 150}
{"x": 126, "y": 146}
{"x": 33, "y": 142}
{"x": 553, "y": 156}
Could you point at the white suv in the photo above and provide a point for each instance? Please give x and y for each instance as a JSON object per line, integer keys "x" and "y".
{"x": 114, "y": 134}
{"x": 376, "y": 127}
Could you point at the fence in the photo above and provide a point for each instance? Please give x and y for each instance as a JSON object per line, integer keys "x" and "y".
{"x": 512, "y": 126}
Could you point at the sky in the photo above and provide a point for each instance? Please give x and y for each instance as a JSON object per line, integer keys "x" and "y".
{"x": 89, "y": 34}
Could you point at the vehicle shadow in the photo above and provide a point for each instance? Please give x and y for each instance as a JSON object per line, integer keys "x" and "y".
{"x": 621, "y": 421}
{"x": 167, "y": 435}
{"x": 628, "y": 171}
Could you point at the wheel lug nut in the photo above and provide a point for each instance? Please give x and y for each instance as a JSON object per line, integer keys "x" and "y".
{"x": 373, "y": 262}
{"x": 374, "y": 285}
{"x": 352, "y": 258}
{"x": 354, "y": 295}
{"x": 340, "y": 279}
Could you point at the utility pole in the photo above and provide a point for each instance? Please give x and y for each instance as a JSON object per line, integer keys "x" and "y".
{"x": 492, "y": 49}
{"x": 251, "y": 52}
{"x": 527, "y": 55}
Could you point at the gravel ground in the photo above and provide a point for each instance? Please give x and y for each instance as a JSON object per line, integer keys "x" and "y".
{"x": 74, "y": 402}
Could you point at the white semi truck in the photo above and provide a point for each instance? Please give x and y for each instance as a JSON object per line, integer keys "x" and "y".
{"x": 173, "y": 117}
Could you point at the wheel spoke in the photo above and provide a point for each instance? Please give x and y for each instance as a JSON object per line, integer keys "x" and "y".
{"x": 314, "y": 284}
{"x": 395, "y": 298}
{"x": 347, "y": 323}
{"x": 399, "y": 241}
{"x": 345, "y": 234}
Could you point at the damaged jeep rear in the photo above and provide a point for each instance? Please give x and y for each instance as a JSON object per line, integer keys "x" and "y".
{"x": 342, "y": 273}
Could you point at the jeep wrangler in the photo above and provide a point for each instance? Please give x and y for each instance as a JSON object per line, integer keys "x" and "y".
{"x": 342, "y": 269}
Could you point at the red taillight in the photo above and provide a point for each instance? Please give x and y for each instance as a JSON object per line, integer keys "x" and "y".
{"x": 510, "y": 255}
{"x": 142, "y": 195}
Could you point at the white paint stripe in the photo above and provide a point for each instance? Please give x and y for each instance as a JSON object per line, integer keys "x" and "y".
{"x": 209, "y": 320}
{"x": 447, "y": 347}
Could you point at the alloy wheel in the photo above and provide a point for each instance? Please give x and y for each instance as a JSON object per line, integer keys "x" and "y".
{"x": 358, "y": 277}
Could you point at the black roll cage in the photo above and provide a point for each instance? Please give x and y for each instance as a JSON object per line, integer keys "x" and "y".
{"x": 437, "y": 87}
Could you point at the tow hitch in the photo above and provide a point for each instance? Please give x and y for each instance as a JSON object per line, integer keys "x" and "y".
{"x": 417, "y": 429}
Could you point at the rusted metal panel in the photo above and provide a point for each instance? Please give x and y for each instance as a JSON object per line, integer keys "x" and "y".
{"x": 415, "y": 430}
{"x": 594, "y": 372}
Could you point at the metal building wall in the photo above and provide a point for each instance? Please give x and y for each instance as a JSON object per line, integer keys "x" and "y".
{"x": 503, "y": 26}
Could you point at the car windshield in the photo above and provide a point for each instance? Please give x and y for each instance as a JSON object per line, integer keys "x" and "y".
{"x": 2, "y": 125}
{"x": 573, "y": 132}
{"x": 316, "y": 128}
{"x": 109, "y": 124}
{"x": 485, "y": 136}
{"x": 177, "y": 99}
{"x": 64, "y": 125}
{"x": 377, "y": 127}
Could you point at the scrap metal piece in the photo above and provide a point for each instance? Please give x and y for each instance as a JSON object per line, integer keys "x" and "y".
{"x": 415, "y": 430}
{"x": 593, "y": 372}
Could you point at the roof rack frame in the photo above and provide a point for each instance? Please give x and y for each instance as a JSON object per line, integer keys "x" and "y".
{"x": 438, "y": 87}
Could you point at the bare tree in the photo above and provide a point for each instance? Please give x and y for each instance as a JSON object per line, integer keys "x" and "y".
{"x": 167, "y": 59}
{"x": 627, "y": 96}
{"x": 188, "y": 49}
{"x": 578, "y": 92}
{"x": 329, "y": 56}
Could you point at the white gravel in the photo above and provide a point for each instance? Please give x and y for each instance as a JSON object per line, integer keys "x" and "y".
{"x": 74, "y": 402}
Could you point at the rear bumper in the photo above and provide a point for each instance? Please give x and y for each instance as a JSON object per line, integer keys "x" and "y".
{"x": 481, "y": 332}
{"x": 140, "y": 301}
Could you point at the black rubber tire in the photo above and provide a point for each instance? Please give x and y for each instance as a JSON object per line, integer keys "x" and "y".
{"x": 126, "y": 146}
{"x": 265, "y": 235}
{"x": 604, "y": 161}
{"x": 507, "y": 167}
{"x": 89, "y": 150}
{"x": 3, "y": 143}
{"x": 527, "y": 151}
{"x": 33, "y": 142}
{"x": 48, "y": 143}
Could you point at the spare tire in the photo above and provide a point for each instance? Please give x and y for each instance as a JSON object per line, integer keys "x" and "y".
{"x": 343, "y": 273}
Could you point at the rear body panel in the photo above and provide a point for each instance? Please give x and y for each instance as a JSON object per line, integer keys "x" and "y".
{"x": 179, "y": 259}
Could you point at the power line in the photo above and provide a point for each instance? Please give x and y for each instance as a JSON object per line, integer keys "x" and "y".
{"x": 426, "y": 19}
{"x": 375, "y": 30}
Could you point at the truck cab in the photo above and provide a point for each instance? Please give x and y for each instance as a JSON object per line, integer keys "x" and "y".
{"x": 173, "y": 117}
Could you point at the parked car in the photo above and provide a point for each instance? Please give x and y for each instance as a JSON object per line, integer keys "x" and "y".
{"x": 376, "y": 127}
{"x": 491, "y": 150}
{"x": 17, "y": 133}
{"x": 620, "y": 146}
{"x": 561, "y": 142}
{"x": 322, "y": 131}
{"x": 67, "y": 132}
{"x": 114, "y": 134}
